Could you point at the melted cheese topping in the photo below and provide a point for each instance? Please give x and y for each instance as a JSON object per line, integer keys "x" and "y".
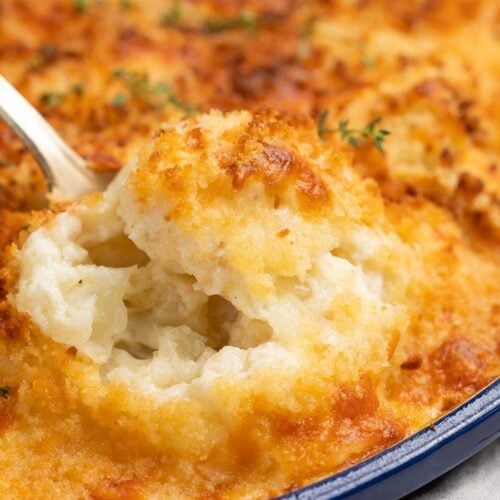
{"x": 241, "y": 313}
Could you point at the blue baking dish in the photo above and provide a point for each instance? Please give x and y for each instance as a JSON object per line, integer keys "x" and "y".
{"x": 419, "y": 459}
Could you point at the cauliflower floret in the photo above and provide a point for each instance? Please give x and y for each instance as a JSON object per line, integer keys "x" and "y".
{"x": 236, "y": 256}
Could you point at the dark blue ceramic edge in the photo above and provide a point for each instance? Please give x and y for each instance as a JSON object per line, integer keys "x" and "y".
{"x": 418, "y": 459}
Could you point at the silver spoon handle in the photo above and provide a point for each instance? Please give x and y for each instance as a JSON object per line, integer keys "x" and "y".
{"x": 62, "y": 167}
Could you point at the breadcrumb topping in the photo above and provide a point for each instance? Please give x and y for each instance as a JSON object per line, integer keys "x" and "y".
{"x": 263, "y": 297}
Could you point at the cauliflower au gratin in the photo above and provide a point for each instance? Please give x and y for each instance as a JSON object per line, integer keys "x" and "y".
{"x": 273, "y": 288}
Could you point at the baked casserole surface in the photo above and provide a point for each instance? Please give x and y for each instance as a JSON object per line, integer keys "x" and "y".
{"x": 309, "y": 235}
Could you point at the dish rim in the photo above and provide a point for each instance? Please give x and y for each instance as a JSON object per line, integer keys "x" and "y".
{"x": 419, "y": 458}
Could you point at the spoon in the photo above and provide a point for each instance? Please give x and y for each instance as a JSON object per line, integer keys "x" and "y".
{"x": 62, "y": 167}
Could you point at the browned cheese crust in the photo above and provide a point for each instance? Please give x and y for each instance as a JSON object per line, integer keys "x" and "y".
{"x": 107, "y": 74}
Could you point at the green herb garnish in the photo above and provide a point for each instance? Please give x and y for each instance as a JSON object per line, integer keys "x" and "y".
{"x": 155, "y": 94}
{"x": 127, "y": 4}
{"x": 368, "y": 62}
{"x": 189, "y": 109}
{"x": 5, "y": 391}
{"x": 376, "y": 135}
{"x": 52, "y": 99}
{"x": 55, "y": 98}
{"x": 173, "y": 15}
{"x": 245, "y": 20}
{"x": 119, "y": 100}
{"x": 322, "y": 126}
{"x": 354, "y": 137}
{"x": 81, "y": 5}
{"x": 304, "y": 48}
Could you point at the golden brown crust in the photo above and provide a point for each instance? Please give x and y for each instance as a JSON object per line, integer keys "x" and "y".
{"x": 260, "y": 153}
{"x": 302, "y": 58}
{"x": 414, "y": 64}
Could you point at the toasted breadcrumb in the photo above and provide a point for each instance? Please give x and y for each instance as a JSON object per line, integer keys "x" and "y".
{"x": 249, "y": 307}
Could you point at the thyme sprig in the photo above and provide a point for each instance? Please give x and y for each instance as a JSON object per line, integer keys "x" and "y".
{"x": 244, "y": 20}
{"x": 355, "y": 137}
{"x": 155, "y": 94}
